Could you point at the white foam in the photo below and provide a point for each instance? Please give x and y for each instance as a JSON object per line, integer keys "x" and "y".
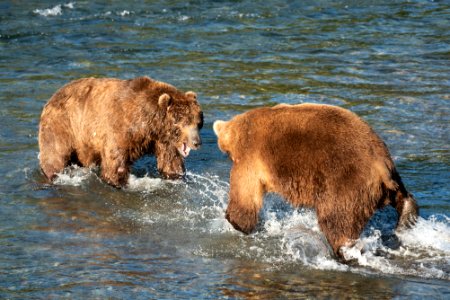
{"x": 184, "y": 18}
{"x": 424, "y": 251}
{"x": 73, "y": 175}
{"x": 363, "y": 251}
{"x": 291, "y": 220}
{"x": 69, "y": 5}
{"x": 124, "y": 13}
{"x": 54, "y": 11}
{"x": 432, "y": 235}
{"x": 144, "y": 184}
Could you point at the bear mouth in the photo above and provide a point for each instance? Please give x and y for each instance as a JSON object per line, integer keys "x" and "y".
{"x": 184, "y": 150}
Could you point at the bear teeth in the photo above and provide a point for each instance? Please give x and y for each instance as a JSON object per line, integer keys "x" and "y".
{"x": 185, "y": 149}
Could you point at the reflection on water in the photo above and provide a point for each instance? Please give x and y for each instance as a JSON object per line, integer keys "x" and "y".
{"x": 386, "y": 61}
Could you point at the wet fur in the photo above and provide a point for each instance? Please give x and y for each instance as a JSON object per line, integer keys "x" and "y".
{"x": 317, "y": 156}
{"x": 114, "y": 122}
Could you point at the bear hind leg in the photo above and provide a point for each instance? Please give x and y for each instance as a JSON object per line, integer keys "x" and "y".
{"x": 341, "y": 226}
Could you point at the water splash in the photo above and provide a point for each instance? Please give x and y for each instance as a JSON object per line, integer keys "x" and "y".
{"x": 73, "y": 176}
{"x": 432, "y": 234}
{"x": 54, "y": 11}
{"x": 144, "y": 184}
{"x": 286, "y": 235}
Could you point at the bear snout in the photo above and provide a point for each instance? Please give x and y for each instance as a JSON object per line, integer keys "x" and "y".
{"x": 196, "y": 142}
{"x": 194, "y": 139}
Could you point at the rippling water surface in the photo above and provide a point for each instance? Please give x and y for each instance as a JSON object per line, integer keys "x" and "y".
{"x": 388, "y": 61}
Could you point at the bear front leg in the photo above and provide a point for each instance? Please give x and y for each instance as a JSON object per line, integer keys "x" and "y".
{"x": 55, "y": 148}
{"x": 114, "y": 170}
{"x": 246, "y": 197}
{"x": 169, "y": 161}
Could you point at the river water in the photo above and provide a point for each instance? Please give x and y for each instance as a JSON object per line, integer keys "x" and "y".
{"x": 388, "y": 61}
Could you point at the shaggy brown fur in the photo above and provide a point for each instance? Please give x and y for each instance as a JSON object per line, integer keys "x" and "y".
{"x": 318, "y": 156}
{"x": 113, "y": 122}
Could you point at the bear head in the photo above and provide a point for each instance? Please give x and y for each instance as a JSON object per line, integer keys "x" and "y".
{"x": 176, "y": 117}
{"x": 229, "y": 139}
{"x": 184, "y": 119}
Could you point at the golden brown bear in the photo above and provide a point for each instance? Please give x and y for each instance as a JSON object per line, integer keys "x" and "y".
{"x": 318, "y": 156}
{"x": 113, "y": 122}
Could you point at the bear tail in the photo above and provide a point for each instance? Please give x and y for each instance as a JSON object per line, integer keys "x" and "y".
{"x": 403, "y": 201}
{"x": 408, "y": 211}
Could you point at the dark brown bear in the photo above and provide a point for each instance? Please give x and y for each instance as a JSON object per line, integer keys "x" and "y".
{"x": 112, "y": 122}
{"x": 318, "y": 156}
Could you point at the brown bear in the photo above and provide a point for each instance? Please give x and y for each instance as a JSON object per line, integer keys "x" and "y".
{"x": 112, "y": 122}
{"x": 318, "y": 156}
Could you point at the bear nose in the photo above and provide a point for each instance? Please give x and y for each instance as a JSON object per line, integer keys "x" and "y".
{"x": 197, "y": 142}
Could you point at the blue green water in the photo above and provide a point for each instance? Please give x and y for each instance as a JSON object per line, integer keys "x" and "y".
{"x": 388, "y": 61}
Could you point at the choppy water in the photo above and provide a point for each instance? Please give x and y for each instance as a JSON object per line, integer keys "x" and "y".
{"x": 388, "y": 61}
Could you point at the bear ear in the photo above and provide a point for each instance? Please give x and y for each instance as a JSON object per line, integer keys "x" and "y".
{"x": 164, "y": 101}
{"x": 191, "y": 95}
{"x": 218, "y": 126}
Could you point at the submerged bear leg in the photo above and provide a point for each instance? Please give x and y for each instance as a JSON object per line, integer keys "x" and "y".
{"x": 114, "y": 169}
{"x": 341, "y": 222}
{"x": 246, "y": 196}
{"x": 52, "y": 165}
{"x": 55, "y": 150}
{"x": 115, "y": 174}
